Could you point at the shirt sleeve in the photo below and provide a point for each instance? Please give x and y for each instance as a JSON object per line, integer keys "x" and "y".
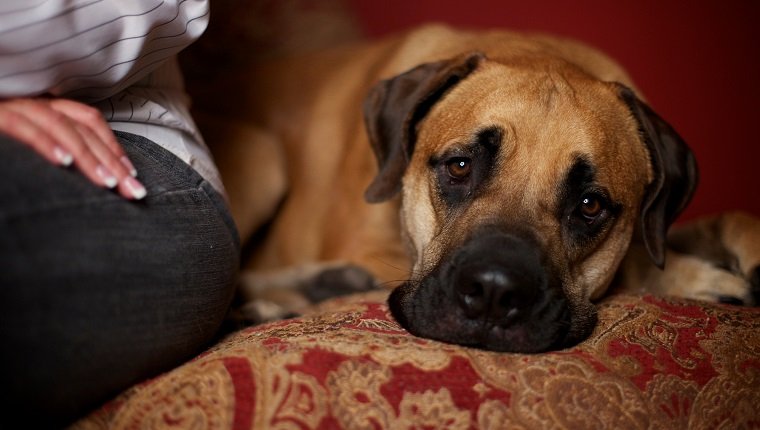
{"x": 90, "y": 49}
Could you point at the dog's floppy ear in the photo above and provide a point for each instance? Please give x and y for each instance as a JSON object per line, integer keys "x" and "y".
{"x": 675, "y": 175}
{"x": 395, "y": 106}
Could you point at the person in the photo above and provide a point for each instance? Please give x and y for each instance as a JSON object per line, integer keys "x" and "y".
{"x": 118, "y": 254}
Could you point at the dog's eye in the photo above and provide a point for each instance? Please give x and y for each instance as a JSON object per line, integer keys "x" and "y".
{"x": 459, "y": 167}
{"x": 591, "y": 207}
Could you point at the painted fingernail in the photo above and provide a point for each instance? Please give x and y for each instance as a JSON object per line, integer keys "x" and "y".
{"x": 108, "y": 178}
{"x": 64, "y": 157}
{"x": 128, "y": 164}
{"x": 135, "y": 188}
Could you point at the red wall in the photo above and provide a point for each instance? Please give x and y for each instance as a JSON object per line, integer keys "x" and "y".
{"x": 697, "y": 62}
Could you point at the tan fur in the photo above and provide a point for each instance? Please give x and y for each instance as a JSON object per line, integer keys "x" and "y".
{"x": 525, "y": 183}
{"x": 310, "y": 108}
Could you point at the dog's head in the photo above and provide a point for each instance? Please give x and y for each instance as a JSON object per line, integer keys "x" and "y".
{"x": 521, "y": 188}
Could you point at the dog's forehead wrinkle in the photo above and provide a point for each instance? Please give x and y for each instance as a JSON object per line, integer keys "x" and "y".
{"x": 552, "y": 87}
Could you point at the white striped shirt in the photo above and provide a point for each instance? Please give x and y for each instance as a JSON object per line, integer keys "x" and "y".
{"x": 118, "y": 55}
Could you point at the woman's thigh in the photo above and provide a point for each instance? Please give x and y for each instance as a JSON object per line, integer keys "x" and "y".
{"x": 98, "y": 292}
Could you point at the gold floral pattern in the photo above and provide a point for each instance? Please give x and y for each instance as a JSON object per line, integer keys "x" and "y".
{"x": 431, "y": 410}
{"x": 356, "y": 399}
{"x": 651, "y": 364}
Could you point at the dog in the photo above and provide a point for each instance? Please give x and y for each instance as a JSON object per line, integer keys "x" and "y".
{"x": 497, "y": 182}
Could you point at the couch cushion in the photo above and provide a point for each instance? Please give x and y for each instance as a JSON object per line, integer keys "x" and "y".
{"x": 650, "y": 363}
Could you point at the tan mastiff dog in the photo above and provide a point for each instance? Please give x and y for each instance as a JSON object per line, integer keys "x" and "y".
{"x": 498, "y": 180}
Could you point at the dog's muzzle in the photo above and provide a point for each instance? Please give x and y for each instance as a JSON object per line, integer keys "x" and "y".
{"x": 495, "y": 292}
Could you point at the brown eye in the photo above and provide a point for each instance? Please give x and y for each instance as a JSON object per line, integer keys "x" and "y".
{"x": 591, "y": 207}
{"x": 459, "y": 168}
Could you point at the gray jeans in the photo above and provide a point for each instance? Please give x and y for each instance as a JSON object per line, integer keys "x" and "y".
{"x": 98, "y": 292}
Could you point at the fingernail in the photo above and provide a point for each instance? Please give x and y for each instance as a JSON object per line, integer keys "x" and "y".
{"x": 128, "y": 164}
{"x": 64, "y": 157}
{"x": 135, "y": 188}
{"x": 108, "y": 178}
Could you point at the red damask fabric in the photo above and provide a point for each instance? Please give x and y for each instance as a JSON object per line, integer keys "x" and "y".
{"x": 651, "y": 363}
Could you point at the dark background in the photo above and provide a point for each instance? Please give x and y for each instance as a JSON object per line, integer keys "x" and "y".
{"x": 697, "y": 63}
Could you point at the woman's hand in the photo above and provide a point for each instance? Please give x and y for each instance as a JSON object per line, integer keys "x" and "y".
{"x": 66, "y": 132}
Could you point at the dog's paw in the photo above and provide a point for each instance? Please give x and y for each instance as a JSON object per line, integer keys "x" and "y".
{"x": 338, "y": 281}
{"x": 242, "y": 315}
{"x": 283, "y": 293}
{"x": 751, "y": 296}
{"x": 737, "y": 289}
{"x": 713, "y": 284}
{"x": 261, "y": 311}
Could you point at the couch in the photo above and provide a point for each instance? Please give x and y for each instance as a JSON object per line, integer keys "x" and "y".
{"x": 651, "y": 363}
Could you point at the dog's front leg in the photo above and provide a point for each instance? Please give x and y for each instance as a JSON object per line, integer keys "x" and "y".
{"x": 730, "y": 241}
{"x": 714, "y": 259}
{"x": 282, "y": 293}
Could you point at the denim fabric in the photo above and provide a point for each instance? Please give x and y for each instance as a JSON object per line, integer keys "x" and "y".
{"x": 98, "y": 292}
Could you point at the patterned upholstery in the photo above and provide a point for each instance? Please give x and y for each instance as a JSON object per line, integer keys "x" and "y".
{"x": 651, "y": 363}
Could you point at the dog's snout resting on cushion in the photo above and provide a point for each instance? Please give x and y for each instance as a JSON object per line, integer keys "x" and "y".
{"x": 500, "y": 181}
{"x": 496, "y": 291}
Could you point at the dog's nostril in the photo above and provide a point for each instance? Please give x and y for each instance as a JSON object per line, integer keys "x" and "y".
{"x": 505, "y": 301}
{"x": 471, "y": 295}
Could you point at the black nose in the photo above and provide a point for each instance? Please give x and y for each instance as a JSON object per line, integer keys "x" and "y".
{"x": 498, "y": 277}
{"x": 499, "y": 294}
